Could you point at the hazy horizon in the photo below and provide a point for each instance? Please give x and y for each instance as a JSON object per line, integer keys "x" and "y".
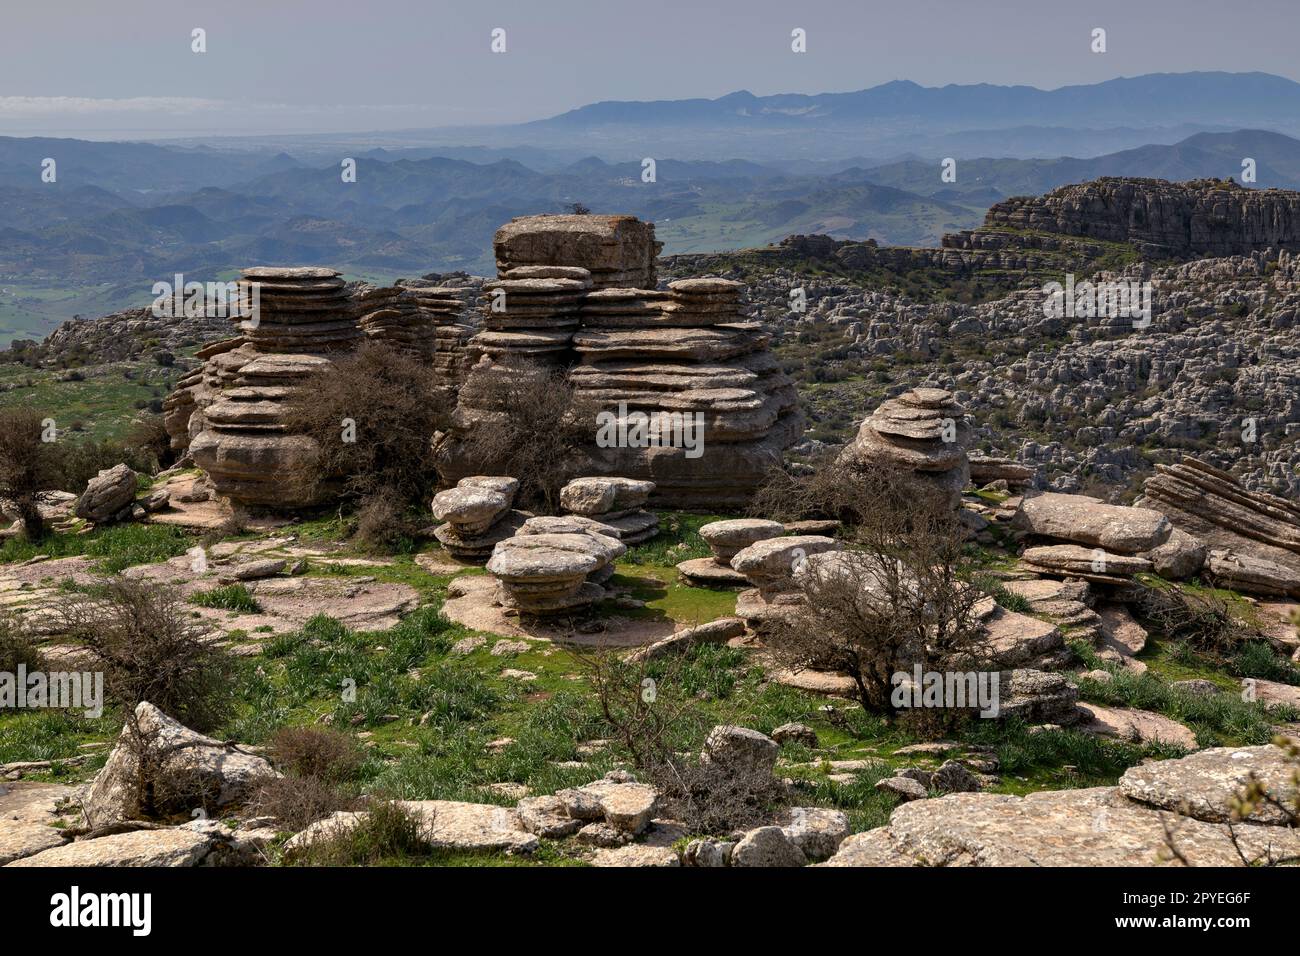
{"x": 80, "y": 69}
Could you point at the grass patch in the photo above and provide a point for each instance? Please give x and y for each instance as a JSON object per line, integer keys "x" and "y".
{"x": 232, "y": 597}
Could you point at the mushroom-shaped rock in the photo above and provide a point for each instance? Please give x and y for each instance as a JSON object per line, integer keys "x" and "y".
{"x": 770, "y": 564}
{"x": 726, "y": 538}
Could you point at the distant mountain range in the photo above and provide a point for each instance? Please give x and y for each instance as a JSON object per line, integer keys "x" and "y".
{"x": 123, "y": 215}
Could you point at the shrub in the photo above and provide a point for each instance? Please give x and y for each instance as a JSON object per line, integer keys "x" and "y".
{"x": 318, "y": 752}
{"x": 297, "y": 802}
{"x": 388, "y": 831}
{"x": 537, "y": 432}
{"x": 17, "y": 646}
{"x": 393, "y": 401}
{"x": 27, "y": 465}
{"x": 151, "y": 649}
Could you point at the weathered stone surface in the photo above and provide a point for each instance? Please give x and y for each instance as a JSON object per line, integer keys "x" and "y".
{"x": 597, "y": 496}
{"x": 1204, "y": 785}
{"x": 1254, "y": 575}
{"x": 1271, "y": 693}
{"x": 28, "y": 812}
{"x": 795, "y": 734}
{"x": 767, "y": 846}
{"x": 708, "y": 573}
{"x": 714, "y": 632}
{"x": 546, "y": 817}
{"x": 1091, "y": 564}
{"x": 627, "y": 807}
{"x": 637, "y": 855}
{"x": 816, "y": 831}
{"x": 726, "y": 538}
{"x": 1079, "y": 519}
{"x": 174, "y": 847}
{"x": 187, "y": 771}
{"x": 107, "y": 494}
{"x": 1181, "y": 556}
{"x": 549, "y": 573}
{"x": 771, "y": 564}
{"x": 1090, "y": 827}
{"x": 1038, "y": 697}
{"x": 905, "y": 788}
{"x": 740, "y": 748}
{"x": 923, "y": 430}
{"x": 1139, "y": 726}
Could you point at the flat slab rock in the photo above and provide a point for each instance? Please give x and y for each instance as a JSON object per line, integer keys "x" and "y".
{"x": 1084, "y": 520}
{"x": 445, "y": 824}
{"x": 637, "y": 855}
{"x": 708, "y": 572}
{"x": 1141, "y": 726}
{"x": 172, "y": 847}
{"x": 1203, "y": 784}
{"x": 27, "y": 815}
{"x": 1098, "y": 826}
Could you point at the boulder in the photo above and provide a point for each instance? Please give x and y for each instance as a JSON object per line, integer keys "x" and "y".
{"x": 767, "y": 847}
{"x": 184, "y": 771}
{"x": 1205, "y": 785}
{"x": 107, "y": 495}
{"x": 740, "y": 749}
{"x": 152, "y": 848}
{"x": 1078, "y": 519}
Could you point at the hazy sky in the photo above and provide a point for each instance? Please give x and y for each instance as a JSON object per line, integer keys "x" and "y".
{"x": 125, "y": 67}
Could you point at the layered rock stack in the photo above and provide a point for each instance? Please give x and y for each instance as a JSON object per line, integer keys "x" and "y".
{"x": 477, "y": 515}
{"x": 772, "y": 566}
{"x": 618, "y": 251}
{"x": 1253, "y": 538}
{"x": 693, "y": 399}
{"x": 923, "y": 431}
{"x": 617, "y": 505}
{"x": 543, "y": 573}
{"x": 697, "y": 375}
{"x": 726, "y": 539}
{"x": 301, "y": 309}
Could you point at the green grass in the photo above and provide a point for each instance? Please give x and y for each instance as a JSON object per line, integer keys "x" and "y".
{"x": 116, "y": 546}
{"x": 232, "y": 597}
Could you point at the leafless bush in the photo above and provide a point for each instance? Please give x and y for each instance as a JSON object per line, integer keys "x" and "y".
{"x": 297, "y": 802}
{"x": 392, "y": 402}
{"x": 1200, "y": 618}
{"x": 537, "y": 431}
{"x": 316, "y": 752}
{"x": 27, "y": 465}
{"x": 151, "y": 649}
{"x": 17, "y": 645}
{"x": 663, "y": 730}
{"x": 899, "y": 595}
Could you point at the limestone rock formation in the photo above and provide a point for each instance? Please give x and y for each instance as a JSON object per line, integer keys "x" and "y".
{"x": 685, "y": 391}
{"x": 923, "y": 431}
{"x": 477, "y": 515}
{"x": 616, "y": 505}
{"x": 108, "y": 496}
{"x": 1194, "y": 219}
{"x": 1254, "y": 537}
{"x": 619, "y": 251}
{"x": 1079, "y": 519}
{"x": 726, "y": 539}
{"x": 543, "y": 573}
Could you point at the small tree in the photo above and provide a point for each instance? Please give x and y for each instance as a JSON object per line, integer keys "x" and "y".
{"x": 898, "y": 596}
{"x": 536, "y": 431}
{"x": 27, "y": 466}
{"x": 372, "y": 414}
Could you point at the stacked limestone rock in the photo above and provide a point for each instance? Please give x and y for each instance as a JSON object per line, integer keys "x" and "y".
{"x": 690, "y": 359}
{"x": 477, "y": 515}
{"x": 615, "y": 504}
{"x": 771, "y": 565}
{"x": 1099, "y": 542}
{"x": 301, "y": 309}
{"x": 619, "y": 251}
{"x": 1251, "y": 539}
{"x": 545, "y": 573}
{"x": 726, "y": 539}
{"x": 446, "y": 308}
{"x": 194, "y": 392}
{"x": 923, "y": 431}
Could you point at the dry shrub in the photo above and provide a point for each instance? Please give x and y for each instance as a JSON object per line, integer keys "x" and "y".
{"x": 385, "y": 524}
{"x": 898, "y": 596}
{"x": 318, "y": 752}
{"x": 387, "y": 832}
{"x": 17, "y": 646}
{"x": 151, "y": 649}
{"x": 28, "y": 465}
{"x": 538, "y": 432}
{"x": 148, "y": 437}
{"x": 297, "y": 802}
{"x": 663, "y": 730}
{"x": 1201, "y": 618}
{"x": 393, "y": 399}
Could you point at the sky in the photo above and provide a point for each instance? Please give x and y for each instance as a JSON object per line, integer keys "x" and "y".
{"x": 126, "y": 68}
